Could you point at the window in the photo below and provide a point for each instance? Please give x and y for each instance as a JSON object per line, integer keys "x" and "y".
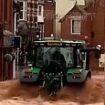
{"x": 31, "y": 18}
{"x": 23, "y": 11}
{"x": 31, "y": 5}
{"x": 44, "y": 55}
{"x": 40, "y": 13}
{"x": 35, "y": 5}
{"x": 40, "y": 8}
{"x": 40, "y": 25}
{"x": 35, "y": 19}
{"x": 76, "y": 26}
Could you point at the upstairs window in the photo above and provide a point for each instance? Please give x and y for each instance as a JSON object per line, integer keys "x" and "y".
{"x": 75, "y": 26}
{"x": 23, "y": 11}
{"x": 40, "y": 10}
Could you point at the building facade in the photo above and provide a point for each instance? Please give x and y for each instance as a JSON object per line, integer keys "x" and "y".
{"x": 97, "y": 32}
{"x": 34, "y": 20}
{"x": 85, "y": 23}
{"x": 73, "y": 23}
{"x": 6, "y": 29}
{"x": 38, "y": 15}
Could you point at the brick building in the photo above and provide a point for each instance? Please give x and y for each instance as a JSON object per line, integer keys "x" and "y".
{"x": 39, "y": 16}
{"x": 49, "y": 17}
{"x": 35, "y": 18}
{"x": 6, "y": 13}
{"x": 6, "y": 29}
{"x": 85, "y": 23}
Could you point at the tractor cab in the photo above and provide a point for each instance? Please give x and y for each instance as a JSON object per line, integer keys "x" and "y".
{"x": 68, "y": 53}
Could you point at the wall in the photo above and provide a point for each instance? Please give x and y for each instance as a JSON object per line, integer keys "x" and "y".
{"x": 49, "y": 14}
{"x": 6, "y": 13}
{"x": 98, "y": 28}
{"x": 6, "y": 18}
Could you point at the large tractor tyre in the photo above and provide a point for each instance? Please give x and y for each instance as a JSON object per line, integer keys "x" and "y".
{"x": 64, "y": 80}
{"x": 87, "y": 80}
{"x": 40, "y": 79}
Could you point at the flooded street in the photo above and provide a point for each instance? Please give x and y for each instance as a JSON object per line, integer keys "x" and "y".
{"x": 12, "y": 92}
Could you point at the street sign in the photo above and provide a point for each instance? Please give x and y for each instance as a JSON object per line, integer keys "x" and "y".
{"x": 15, "y": 41}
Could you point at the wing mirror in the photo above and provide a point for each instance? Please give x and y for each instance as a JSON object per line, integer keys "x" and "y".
{"x": 98, "y": 51}
{"x": 98, "y": 47}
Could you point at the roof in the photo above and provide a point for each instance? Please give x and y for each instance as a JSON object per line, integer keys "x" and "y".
{"x": 62, "y": 7}
{"x": 80, "y": 8}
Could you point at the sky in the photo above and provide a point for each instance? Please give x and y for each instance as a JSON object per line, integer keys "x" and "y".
{"x": 63, "y": 6}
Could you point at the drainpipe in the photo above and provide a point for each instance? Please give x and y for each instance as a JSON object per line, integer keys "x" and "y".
{"x": 15, "y": 61}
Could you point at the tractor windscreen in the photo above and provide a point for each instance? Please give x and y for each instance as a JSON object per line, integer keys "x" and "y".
{"x": 69, "y": 56}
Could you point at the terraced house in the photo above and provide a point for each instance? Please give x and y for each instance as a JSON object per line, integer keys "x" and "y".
{"x": 85, "y": 22}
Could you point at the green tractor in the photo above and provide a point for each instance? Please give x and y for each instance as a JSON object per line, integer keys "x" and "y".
{"x": 56, "y": 63}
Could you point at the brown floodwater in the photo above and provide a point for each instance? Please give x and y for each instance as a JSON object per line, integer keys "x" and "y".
{"x": 14, "y": 93}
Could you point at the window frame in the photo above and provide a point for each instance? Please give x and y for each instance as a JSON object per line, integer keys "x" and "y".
{"x": 24, "y": 11}
{"x": 40, "y": 10}
{"x": 73, "y": 33}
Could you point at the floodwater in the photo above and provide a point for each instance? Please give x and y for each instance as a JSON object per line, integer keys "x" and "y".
{"x": 14, "y": 93}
